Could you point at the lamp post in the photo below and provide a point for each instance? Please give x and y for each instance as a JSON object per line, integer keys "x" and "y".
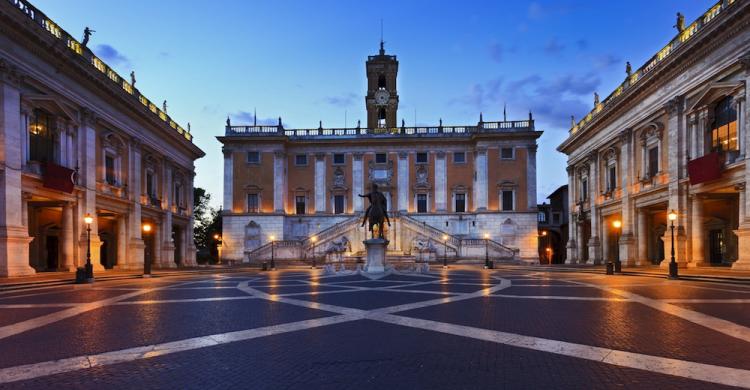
{"x": 617, "y": 224}
{"x": 445, "y": 251}
{"x": 672, "y": 263}
{"x": 487, "y": 264}
{"x": 313, "y": 239}
{"x": 273, "y": 263}
{"x": 88, "y": 219}
{"x": 146, "y": 252}
{"x": 544, "y": 245}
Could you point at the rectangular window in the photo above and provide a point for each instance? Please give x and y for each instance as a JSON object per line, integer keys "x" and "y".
{"x": 338, "y": 204}
{"x": 506, "y": 153}
{"x": 612, "y": 178}
{"x": 556, "y": 218}
{"x": 380, "y": 158}
{"x": 150, "y": 190}
{"x": 253, "y": 157}
{"x": 338, "y": 159}
{"x": 507, "y": 200}
{"x": 109, "y": 167}
{"x": 459, "y": 157}
{"x": 421, "y": 158}
{"x": 299, "y": 202}
{"x": 41, "y": 137}
{"x": 541, "y": 217}
{"x": 300, "y": 159}
{"x": 653, "y": 161}
{"x": 421, "y": 203}
{"x": 460, "y": 203}
{"x": 253, "y": 205}
{"x": 584, "y": 190}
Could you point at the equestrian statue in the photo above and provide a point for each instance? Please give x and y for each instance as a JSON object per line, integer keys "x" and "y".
{"x": 377, "y": 212}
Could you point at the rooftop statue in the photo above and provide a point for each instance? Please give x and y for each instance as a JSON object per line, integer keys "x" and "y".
{"x": 132, "y": 79}
{"x": 680, "y": 26}
{"x": 86, "y": 35}
{"x": 628, "y": 69}
{"x": 377, "y": 212}
{"x": 596, "y": 99}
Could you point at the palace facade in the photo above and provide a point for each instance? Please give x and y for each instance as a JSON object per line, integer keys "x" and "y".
{"x": 455, "y": 190}
{"x": 76, "y": 139}
{"x": 673, "y": 136}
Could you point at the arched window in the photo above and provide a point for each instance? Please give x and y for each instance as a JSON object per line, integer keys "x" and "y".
{"x": 381, "y": 117}
{"x": 381, "y": 81}
{"x": 724, "y": 126}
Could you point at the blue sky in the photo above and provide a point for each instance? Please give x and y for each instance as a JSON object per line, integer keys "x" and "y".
{"x": 304, "y": 61}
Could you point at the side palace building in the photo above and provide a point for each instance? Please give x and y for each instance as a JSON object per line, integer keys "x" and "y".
{"x": 76, "y": 139}
{"x": 454, "y": 189}
{"x": 674, "y": 136}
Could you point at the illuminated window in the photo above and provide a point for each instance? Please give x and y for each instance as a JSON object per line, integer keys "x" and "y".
{"x": 724, "y": 127}
{"x": 41, "y": 137}
{"x": 381, "y": 117}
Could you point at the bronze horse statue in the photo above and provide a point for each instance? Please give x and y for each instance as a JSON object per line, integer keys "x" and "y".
{"x": 377, "y": 212}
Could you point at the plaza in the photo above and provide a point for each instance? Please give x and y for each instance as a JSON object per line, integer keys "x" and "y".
{"x": 514, "y": 327}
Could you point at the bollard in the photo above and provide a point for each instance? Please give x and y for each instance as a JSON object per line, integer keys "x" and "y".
{"x": 610, "y": 268}
{"x": 80, "y": 275}
{"x": 264, "y": 266}
{"x": 618, "y": 267}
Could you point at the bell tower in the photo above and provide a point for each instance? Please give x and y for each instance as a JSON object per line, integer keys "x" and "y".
{"x": 382, "y": 97}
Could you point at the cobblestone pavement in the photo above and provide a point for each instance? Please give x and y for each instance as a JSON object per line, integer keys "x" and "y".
{"x": 460, "y": 328}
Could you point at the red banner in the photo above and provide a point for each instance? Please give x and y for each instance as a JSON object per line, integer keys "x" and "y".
{"x": 706, "y": 168}
{"x": 59, "y": 178}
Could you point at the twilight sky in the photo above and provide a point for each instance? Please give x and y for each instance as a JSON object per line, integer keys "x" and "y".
{"x": 304, "y": 61}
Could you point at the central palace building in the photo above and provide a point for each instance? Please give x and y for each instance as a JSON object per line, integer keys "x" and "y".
{"x": 455, "y": 190}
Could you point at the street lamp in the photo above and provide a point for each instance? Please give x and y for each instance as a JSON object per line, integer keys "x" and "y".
{"x": 88, "y": 219}
{"x": 146, "y": 252}
{"x": 487, "y": 264}
{"x": 617, "y": 224}
{"x": 544, "y": 245}
{"x": 273, "y": 263}
{"x": 672, "y": 216}
{"x": 217, "y": 240}
{"x": 445, "y": 251}
{"x": 313, "y": 239}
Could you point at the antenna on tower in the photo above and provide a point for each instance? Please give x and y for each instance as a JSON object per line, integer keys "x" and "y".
{"x": 255, "y": 117}
{"x": 382, "y": 49}
{"x": 505, "y": 114}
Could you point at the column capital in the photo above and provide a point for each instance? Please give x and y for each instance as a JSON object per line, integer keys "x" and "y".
{"x": 626, "y": 135}
{"x": 480, "y": 150}
{"x": 279, "y": 154}
{"x": 357, "y": 156}
{"x": 9, "y": 74}
{"x": 135, "y": 143}
{"x": 740, "y": 187}
{"x": 674, "y": 105}
{"x": 440, "y": 154}
{"x": 402, "y": 155}
{"x": 320, "y": 156}
{"x": 227, "y": 152}
{"x": 532, "y": 148}
{"x": 88, "y": 116}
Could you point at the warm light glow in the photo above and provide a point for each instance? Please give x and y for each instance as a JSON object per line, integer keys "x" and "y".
{"x": 672, "y": 215}
{"x": 216, "y": 237}
{"x": 88, "y": 219}
{"x": 549, "y": 249}
{"x": 544, "y": 232}
{"x": 313, "y": 238}
{"x": 146, "y": 227}
{"x": 445, "y": 237}
{"x": 617, "y": 224}
{"x": 272, "y": 238}
{"x": 486, "y": 236}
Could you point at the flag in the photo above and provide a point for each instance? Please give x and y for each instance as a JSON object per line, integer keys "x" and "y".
{"x": 58, "y": 178}
{"x": 706, "y": 168}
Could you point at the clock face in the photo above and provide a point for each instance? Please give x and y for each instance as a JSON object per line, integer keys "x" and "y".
{"x": 381, "y": 97}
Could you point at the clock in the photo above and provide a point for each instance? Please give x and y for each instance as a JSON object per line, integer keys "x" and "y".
{"x": 381, "y": 97}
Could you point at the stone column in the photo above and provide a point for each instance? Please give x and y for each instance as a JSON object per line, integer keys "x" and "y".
{"x": 123, "y": 261}
{"x": 403, "y": 181}
{"x": 698, "y": 234}
{"x": 480, "y": 182}
{"x": 167, "y": 249}
{"x": 229, "y": 179}
{"x": 595, "y": 254}
{"x": 320, "y": 183}
{"x": 441, "y": 182}
{"x": 531, "y": 176}
{"x": 278, "y": 182}
{"x": 87, "y": 204}
{"x": 676, "y": 169}
{"x": 157, "y": 232}
{"x": 14, "y": 236}
{"x": 581, "y": 244}
{"x": 642, "y": 242}
{"x": 570, "y": 246}
{"x": 189, "y": 243}
{"x": 135, "y": 241}
{"x": 357, "y": 182}
{"x": 67, "y": 239}
{"x": 627, "y": 241}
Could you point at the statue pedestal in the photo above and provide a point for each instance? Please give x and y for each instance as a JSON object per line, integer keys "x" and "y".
{"x": 375, "y": 248}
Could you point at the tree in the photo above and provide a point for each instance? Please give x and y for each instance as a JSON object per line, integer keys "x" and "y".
{"x": 207, "y": 224}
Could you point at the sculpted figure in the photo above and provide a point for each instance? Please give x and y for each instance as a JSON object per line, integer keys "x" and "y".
{"x": 377, "y": 212}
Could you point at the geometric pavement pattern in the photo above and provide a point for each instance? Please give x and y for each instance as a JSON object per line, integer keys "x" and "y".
{"x": 456, "y": 328}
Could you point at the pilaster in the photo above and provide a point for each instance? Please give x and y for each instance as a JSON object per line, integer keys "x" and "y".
{"x": 229, "y": 179}
{"x": 481, "y": 185}
{"x": 441, "y": 182}
{"x": 279, "y": 173}
{"x": 357, "y": 181}
{"x": 320, "y": 183}
{"x": 403, "y": 181}
{"x": 531, "y": 177}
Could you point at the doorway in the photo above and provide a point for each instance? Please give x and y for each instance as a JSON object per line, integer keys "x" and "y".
{"x": 52, "y": 246}
{"x": 716, "y": 246}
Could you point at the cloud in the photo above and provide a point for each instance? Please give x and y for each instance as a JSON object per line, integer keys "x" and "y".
{"x": 247, "y": 118}
{"x": 582, "y": 44}
{"x": 346, "y": 100}
{"x": 552, "y": 100}
{"x": 607, "y": 60}
{"x": 553, "y": 47}
{"x": 496, "y": 52}
{"x": 110, "y": 55}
